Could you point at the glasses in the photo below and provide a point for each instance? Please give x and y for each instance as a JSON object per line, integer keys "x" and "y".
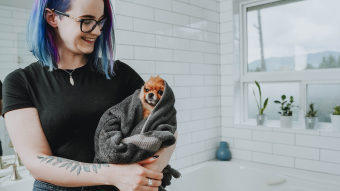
{"x": 86, "y": 25}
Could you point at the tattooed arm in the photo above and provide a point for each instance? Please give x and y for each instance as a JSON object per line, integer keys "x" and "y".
{"x": 30, "y": 143}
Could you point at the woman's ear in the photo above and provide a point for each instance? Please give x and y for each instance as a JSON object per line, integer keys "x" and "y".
{"x": 51, "y": 18}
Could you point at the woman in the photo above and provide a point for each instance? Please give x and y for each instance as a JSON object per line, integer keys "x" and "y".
{"x": 52, "y": 107}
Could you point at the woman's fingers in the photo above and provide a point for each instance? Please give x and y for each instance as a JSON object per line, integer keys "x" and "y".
{"x": 154, "y": 182}
{"x": 136, "y": 177}
{"x": 151, "y": 174}
{"x": 148, "y": 160}
{"x": 147, "y": 188}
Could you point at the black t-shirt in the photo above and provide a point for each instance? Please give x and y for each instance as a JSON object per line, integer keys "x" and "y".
{"x": 69, "y": 114}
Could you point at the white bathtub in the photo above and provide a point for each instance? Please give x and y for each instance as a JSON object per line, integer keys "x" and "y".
{"x": 248, "y": 176}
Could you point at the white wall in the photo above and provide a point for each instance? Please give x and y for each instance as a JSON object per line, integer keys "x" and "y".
{"x": 13, "y": 52}
{"x": 180, "y": 41}
{"x": 17, "y": 3}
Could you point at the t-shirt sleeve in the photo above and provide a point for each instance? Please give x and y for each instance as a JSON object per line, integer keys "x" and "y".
{"x": 133, "y": 80}
{"x": 15, "y": 93}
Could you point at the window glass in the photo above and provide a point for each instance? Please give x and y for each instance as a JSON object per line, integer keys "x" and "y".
{"x": 273, "y": 91}
{"x": 325, "y": 97}
{"x": 293, "y": 35}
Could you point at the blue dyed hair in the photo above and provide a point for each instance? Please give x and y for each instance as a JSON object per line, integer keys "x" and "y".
{"x": 41, "y": 37}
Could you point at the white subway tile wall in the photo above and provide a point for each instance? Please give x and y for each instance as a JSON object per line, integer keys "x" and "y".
{"x": 180, "y": 41}
{"x": 13, "y": 52}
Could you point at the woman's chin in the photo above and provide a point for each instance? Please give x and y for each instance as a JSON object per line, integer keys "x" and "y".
{"x": 87, "y": 50}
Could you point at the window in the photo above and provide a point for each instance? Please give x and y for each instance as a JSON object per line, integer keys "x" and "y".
{"x": 273, "y": 90}
{"x": 290, "y": 47}
{"x": 325, "y": 95}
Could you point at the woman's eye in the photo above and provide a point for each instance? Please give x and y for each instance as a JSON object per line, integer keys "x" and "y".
{"x": 160, "y": 92}
{"x": 87, "y": 22}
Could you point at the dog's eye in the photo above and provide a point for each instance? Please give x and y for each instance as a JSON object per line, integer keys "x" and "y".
{"x": 146, "y": 89}
{"x": 160, "y": 92}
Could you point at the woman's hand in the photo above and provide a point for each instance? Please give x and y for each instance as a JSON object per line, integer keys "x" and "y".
{"x": 134, "y": 177}
{"x": 157, "y": 165}
{"x": 164, "y": 155}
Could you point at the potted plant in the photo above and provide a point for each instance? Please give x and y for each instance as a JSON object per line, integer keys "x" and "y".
{"x": 260, "y": 117}
{"x": 286, "y": 112}
{"x": 310, "y": 117}
{"x": 335, "y": 118}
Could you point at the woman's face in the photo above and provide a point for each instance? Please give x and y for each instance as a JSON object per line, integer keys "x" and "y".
{"x": 71, "y": 37}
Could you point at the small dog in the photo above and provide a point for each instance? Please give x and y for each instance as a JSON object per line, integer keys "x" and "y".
{"x": 151, "y": 93}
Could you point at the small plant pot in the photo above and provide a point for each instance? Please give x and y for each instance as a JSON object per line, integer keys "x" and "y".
{"x": 311, "y": 122}
{"x": 286, "y": 121}
{"x": 260, "y": 119}
{"x": 335, "y": 122}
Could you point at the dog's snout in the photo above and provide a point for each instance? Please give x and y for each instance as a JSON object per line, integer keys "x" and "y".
{"x": 150, "y": 95}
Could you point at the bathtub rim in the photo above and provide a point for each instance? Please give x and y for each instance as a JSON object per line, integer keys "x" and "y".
{"x": 332, "y": 180}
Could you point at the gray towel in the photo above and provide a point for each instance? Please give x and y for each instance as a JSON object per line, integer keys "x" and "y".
{"x": 123, "y": 136}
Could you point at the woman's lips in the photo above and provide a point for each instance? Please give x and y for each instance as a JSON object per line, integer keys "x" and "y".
{"x": 89, "y": 40}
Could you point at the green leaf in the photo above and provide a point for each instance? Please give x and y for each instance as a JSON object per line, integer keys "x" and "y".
{"x": 265, "y": 103}
{"x": 277, "y": 101}
{"x": 283, "y": 97}
{"x": 258, "y": 86}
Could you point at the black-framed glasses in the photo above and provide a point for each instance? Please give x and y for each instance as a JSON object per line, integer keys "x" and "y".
{"x": 86, "y": 25}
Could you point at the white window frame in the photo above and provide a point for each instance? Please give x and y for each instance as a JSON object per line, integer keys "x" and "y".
{"x": 304, "y": 77}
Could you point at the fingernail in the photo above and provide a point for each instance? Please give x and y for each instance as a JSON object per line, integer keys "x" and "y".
{"x": 155, "y": 156}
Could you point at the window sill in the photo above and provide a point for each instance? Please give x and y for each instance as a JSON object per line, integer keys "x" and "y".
{"x": 298, "y": 129}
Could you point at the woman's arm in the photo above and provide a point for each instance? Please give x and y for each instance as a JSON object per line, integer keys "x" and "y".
{"x": 31, "y": 144}
{"x": 164, "y": 157}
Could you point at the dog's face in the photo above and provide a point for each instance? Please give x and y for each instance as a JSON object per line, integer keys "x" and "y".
{"x": 153, "y": 90}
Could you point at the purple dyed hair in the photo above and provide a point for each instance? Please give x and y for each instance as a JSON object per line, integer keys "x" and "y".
{"x": 41, "y": 37}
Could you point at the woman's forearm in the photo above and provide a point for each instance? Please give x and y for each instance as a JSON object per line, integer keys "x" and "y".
{"x": 29, "y": 141}
{"x": 164, "y": 157}
{"x": 69, "y": 173}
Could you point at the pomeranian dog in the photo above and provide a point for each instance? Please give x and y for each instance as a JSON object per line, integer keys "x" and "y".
{"x": 151, "y": 93}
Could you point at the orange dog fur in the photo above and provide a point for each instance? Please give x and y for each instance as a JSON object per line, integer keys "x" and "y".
{"x": 151, "y": 93}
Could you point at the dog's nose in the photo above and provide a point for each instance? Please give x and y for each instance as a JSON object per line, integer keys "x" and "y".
{"x": 150, "y": 95}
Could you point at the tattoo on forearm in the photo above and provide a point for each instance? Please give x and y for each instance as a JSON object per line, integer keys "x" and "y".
{"x": 71, "y": 164}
